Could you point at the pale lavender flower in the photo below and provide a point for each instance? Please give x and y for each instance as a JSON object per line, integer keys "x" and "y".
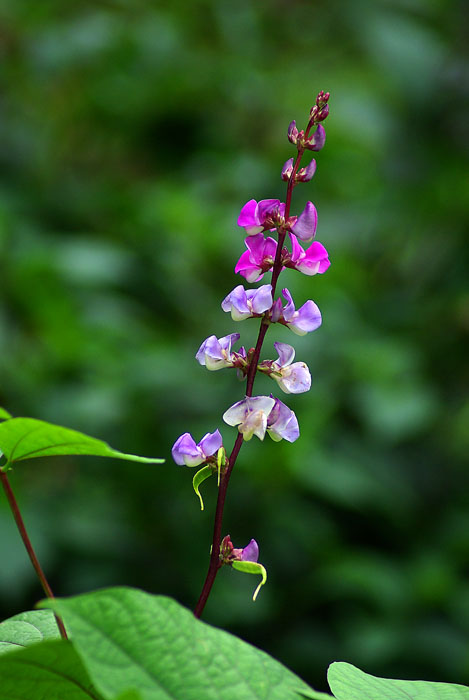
{"x": 306, "y": 224}
{"x": 258, "y": 258}
{"x": 186, "y": 451}
{"x": 248, "y": 303}
{"x": 304, "y": 320}
{"x": 282, "y": 423}
{"x": 259, "y": 216}
{"x": 292, "y": 378}
{"x": 250, "y": 415}
{"x": 215, "y": 353}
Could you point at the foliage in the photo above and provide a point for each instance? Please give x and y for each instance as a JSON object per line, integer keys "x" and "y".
{"x": 127, "y": 644}
{"x": 25, "y": 438}
{"x": 349, "y": 683}
{"x": 126, "y": 640}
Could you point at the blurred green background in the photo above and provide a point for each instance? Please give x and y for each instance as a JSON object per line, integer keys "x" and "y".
{"x": 131, "y": 135}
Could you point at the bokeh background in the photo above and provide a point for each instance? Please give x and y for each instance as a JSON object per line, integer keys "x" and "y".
{"x": 131, "y": 134}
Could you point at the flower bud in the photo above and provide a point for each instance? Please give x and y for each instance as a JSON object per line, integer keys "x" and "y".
{"x": 287, "y": 170}
{"x": 323, "y": 113}
{"x": 305, "y": 174}
{"x": 317, "y": 140}
{"x": 292, "y": 132}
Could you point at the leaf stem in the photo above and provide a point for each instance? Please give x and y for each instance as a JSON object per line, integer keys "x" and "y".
{"x": 215, "y": 564}
{"x": 29, "y": 547}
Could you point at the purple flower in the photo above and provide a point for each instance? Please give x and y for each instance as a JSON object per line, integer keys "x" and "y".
{"x": 304, "y": 320}
{"x": 318, "y": 139}
{"x": 311, "y": 261}
{"x": 292, "y": 378}
{"x": 305, "y": 174}
{"x": 256, "y": 217}
{"x": 250, "y": 415}
{"x": 306, "y": 224}
{"x": 248, "y": 303}
{"x": 249, "y": 553}
{"x": 258, "y": 258}
{"x": 186, "y": 451}
{"x": 215, "y": 353}
{"x": 282, "y": 423}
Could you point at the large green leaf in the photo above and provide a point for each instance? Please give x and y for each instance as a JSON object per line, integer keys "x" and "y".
{"x": 27, "y": 628}
{"x": 131, "y": 639}
{"x": 349, "y": 683}
{"x": 23, "y": 438}
{"x": 51, "y": 670}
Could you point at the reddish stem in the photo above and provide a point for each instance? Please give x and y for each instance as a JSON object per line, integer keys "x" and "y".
{"x": 29, "y": 547}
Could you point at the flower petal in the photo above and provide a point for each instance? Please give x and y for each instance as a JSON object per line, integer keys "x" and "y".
{"x": 286, "y": 354}
{"x": 211, "y": 443}
{"x": 250, "y": 552}
{"x": 185, "y": 451}
{"x": 306, "y": 224}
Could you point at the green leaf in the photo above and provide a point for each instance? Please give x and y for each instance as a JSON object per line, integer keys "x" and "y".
{"x": 131, "y": 639}
{"x": 4, "y": 415}
{"x": 349, "y": 683}
{"x": 51, "y": 670}
{"x": 252, "y": 567}
{"x": 23, "y": 438}
{"x": 27, "y": 628}
{"x": 199, "y": 478}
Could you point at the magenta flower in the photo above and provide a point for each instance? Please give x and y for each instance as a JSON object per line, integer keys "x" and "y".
{"x": 292, "y": 378}
{"x": 312, "y": 143}
{"x": 304, "y": 320}
{"x": 302, "y": 175}
{"x": 248, "y": 303}
{"x": 256, "y": 217}
{"x": 306, "y": 224}
{"x": 311, "y": 261}
{"x": 282, "y": 423}
{"x": 250, "y": 415}
{"x": 258, "y": 258}
{"x": 186, "y": 451}
{"x": 215, "y": 353}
